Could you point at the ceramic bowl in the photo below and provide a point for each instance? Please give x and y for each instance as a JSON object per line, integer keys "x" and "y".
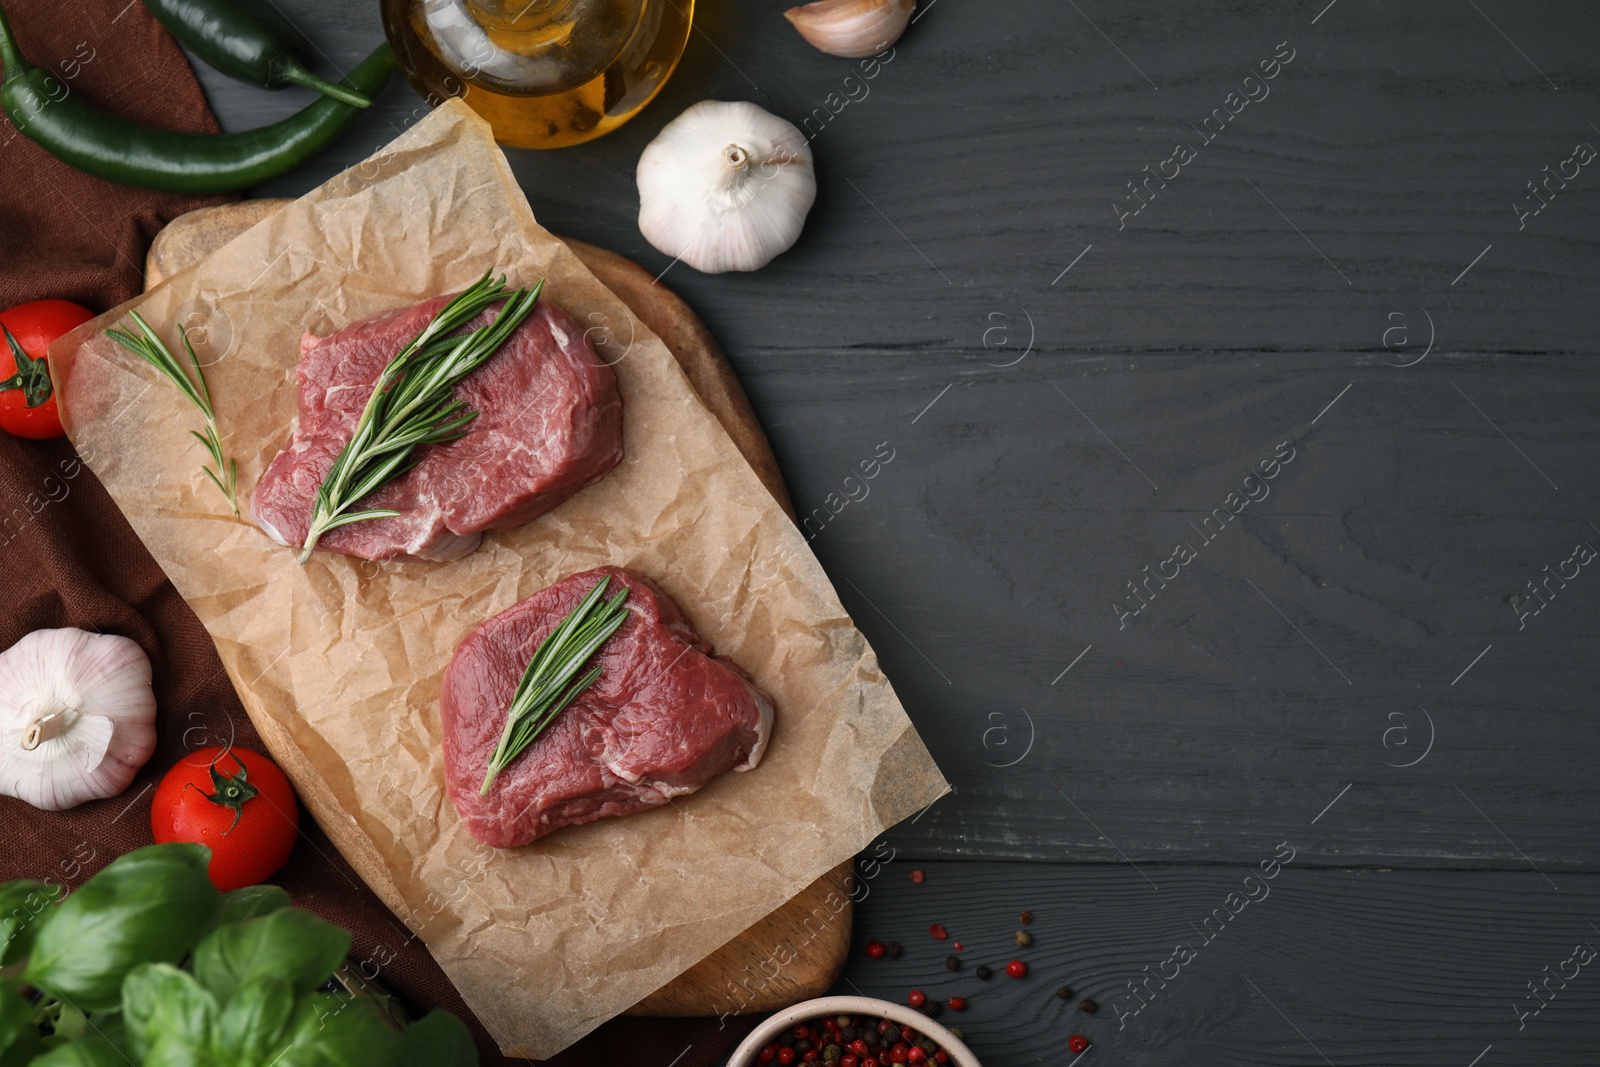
{"x": 745, "y": 1054}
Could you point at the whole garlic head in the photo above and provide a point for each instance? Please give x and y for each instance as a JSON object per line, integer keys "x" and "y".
{"x": 77, "y": 717}
{"x": 725, "y": 186}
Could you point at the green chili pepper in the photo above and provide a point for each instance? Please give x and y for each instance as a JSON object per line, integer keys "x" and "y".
{"x": 244, "y": 41}
{"x": 47, "y": 113}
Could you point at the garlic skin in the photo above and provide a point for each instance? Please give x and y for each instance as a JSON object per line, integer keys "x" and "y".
{"x": 725, "y": 186}
{"x": 77, "y": 717}
{"x": 853, "y": 29}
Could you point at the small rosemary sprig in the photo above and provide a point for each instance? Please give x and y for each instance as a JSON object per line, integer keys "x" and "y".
{"x": 412, "y": 404}
{"x": 148, "y": 346}
{"x": 544, "y": 692}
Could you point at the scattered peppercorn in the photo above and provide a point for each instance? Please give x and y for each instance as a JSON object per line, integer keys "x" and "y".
{"x": 875, "y": 950}
{"x": 1088, "y": 1006}
{"x": 952, "y": 963}
{"x": 959, "y": 948}
{"x": 1022, "y": 937}
{"x": 895, "y": 950}
{"x": 938, "y": 930}
{"x": 1017, "y": 969}
{"x": 917, "y": 998}
{"x": 983, "y": 973}
{"x": 1077, "y": 1043}
{"x": 1025, "y": 917}
{"x": 918, "y": 877}
{"x": 957, "y": 1003}
{"x": 1065, "y": 992}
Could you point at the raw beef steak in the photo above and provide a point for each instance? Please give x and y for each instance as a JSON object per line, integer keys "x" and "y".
{"x": 666, "y": 716}
{"x": 549, "y": 423}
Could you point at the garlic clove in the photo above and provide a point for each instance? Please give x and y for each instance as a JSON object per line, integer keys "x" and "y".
{"x": 77, "y": 717}
{"x": 725, "y": 186}
{"x": 853, "y": 29}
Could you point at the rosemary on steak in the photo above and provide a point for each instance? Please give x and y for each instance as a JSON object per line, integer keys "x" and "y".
{"x": 547, "y": 686}
{"x": 148, "y": 346}
{"x": 412, "y": 403}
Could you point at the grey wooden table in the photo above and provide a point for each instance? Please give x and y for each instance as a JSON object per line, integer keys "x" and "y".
{"x": 1149, "y": 668}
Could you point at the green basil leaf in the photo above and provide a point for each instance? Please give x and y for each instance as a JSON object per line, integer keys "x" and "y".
{"x": 337, "y": 1031}
{"x": 16, "y": 1016}
{"x": 293, "y": 945}
{"x": 148, "y": 906}
{"x": 24, "y": 907}
{"x": 252, "y": 1023}
{"x": 169, "y": 1015}
{"x": 251, "y": 902}
{"x": 438, "y": 1039}
{"x": 93, "y": 1051}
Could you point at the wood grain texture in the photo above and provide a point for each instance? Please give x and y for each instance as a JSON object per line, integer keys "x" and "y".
{"x": 1359, "y": 968}
{"x": 814, "y": 927}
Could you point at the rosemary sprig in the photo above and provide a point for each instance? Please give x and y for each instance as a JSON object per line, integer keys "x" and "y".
{"x": 544, "y": 692}
{"x": 148, "y": 346}
{"x": 412, "y": 404}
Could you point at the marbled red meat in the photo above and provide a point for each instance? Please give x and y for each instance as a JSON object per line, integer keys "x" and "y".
{"x": 549, "y": 423}
{"x": 666, "y": 716}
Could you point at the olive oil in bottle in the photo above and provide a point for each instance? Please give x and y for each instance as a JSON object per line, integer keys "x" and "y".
{"x": 543, "y": 73}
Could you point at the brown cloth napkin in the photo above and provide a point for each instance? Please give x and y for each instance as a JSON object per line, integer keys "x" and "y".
{"x": 68, "y": 558}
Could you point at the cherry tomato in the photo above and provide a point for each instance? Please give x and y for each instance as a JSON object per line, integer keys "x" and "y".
{"x": 27, "y": 397}
{"x": 235, "y": 802}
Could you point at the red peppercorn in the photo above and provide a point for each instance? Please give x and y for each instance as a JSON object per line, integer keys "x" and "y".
{"x": 918, "y": 877}
{"x": 812, "y": 1056}
{"x": 768, "y": 1054}
{"x": 957, "y": 1003}
{"x": 941, "y": 1056}
{"x": 916, "y": 1055}
{"x": 884, "y": 1026}
{"x": 907, "y": 1034}
{"x": 859, "y": 1047}
{"x": 875, "y": 950}
{"x": 917, "y": 998}
{"x": 938, "y": 930}
{"x": 1017, "y": 969}
{"x": 1077, "y": 1043}
{"x": 959, "y": 948}
{"x": 847, "y": 1060}
{"x": 786, "y": 1055}
{"x": 897, "y": 1054}
{"x": 870, "y": 1061}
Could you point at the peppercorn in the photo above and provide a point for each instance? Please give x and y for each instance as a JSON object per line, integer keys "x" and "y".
{"x": 983, "y": 973}
{"x": 875, "y": 950}
{"x": 1022, "y": 937}
{"x": 1065, "y": 992}
{"x": 933, "y": 1010}
{"x": 937, "y": 930}
{"x": 957, "y": 1003}
{"x": 1017, "y": 969}
{"x": 917, "y": 998}
{"x": 1025, "y": 917}
{"x": 1077, "y": 1043}
{"x": 918, "y": 877}
{"x": 895, "y": 950}
{"x": 1088, "y": 1006}
{"x": 952, "y": 963}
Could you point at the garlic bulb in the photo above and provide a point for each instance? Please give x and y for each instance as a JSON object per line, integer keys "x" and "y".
{"x": 725, "y": 186}
{"x": 77, "y": 717}
{"x": 854, "y": 29}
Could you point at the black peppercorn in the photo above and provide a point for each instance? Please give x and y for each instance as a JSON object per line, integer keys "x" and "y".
{"x": 983, "y": 972}
{"x": 952, "y": 963}
{"x": 895, "y": 951}
{"x": 1088, "y": 1006}
{"x": 1065, "y": 992}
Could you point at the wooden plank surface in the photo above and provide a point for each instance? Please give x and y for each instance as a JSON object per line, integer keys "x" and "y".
{"x": 1063, "y": 397}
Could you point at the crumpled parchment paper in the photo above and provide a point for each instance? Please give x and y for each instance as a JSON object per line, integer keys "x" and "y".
{"x": 338, "y": 662}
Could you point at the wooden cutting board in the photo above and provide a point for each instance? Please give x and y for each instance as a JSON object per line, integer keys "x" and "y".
{"x": 798, "y": 951}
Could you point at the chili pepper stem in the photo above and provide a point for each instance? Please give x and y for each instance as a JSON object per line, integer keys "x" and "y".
{"x": 290, "y": 70}
{"x": 10, "y": 55}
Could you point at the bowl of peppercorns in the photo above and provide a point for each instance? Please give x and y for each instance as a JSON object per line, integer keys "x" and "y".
{"x": 851, "y": 1032}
